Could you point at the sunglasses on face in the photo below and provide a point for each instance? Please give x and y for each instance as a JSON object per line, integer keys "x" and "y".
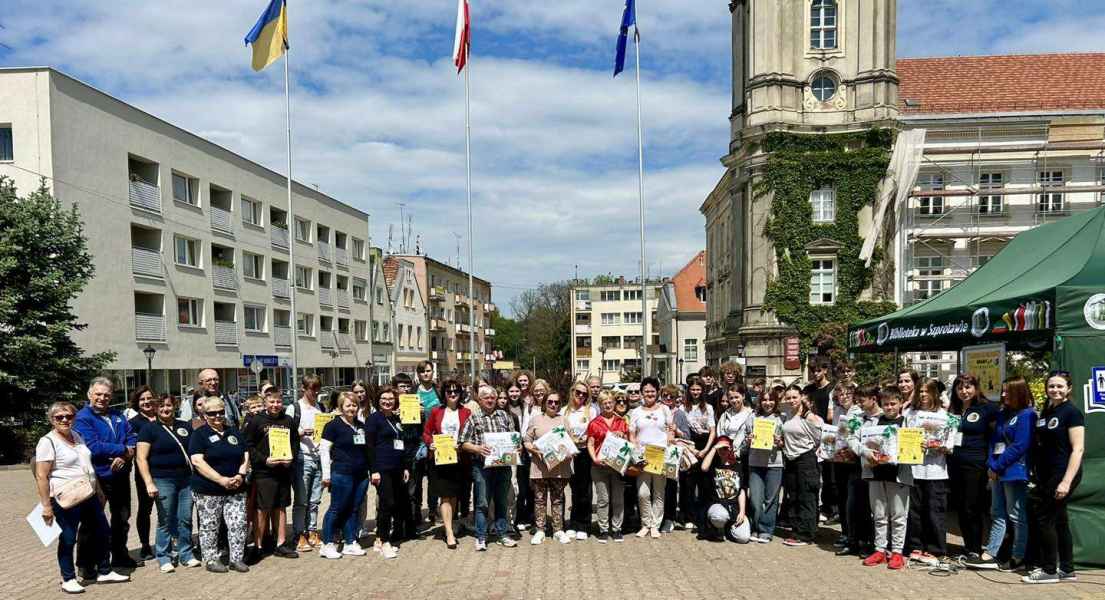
{"x": 215, "y": 414}
{"x": 453, "y": 391}
{"x": 579, "y": 392}
{"x": 63, "y": 418}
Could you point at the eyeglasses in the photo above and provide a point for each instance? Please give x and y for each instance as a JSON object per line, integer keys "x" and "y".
{"x": 579, "y": 392}
{"x": 427, "y": 371}
{"x": 452, "y": 391}
{"x": 63, "y": 418}
{"x": 215, "y": 414}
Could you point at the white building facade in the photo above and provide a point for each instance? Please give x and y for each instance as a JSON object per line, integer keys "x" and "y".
{"x": 409, "y": 315}
{"x": 606, "y": 329}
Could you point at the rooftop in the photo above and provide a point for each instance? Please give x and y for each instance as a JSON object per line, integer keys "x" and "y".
{"x": 686, "y": 282}
{"x": 1006, "y": 83}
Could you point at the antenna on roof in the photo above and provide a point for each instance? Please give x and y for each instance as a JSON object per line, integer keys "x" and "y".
{"x": 418, "y": 245}
{"x": 390, "y": 229}
{"x": 458, "y": 236}
{"x": 402, "y": 232}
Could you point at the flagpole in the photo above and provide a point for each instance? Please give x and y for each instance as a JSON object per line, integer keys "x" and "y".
{"x": 468, "y": 187}
{"x": 291, "y": 219}
{"x": 641, "y": 198}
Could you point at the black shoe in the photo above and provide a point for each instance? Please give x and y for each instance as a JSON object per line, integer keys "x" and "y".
{"x": 981, "y": 564}
{"x": 216, "y": 567}
{"x": 602, "y": 538}
{"x": 617, "y": 537}
{"x": 239, "y": 566}
{"x": 88, "y": 574}
{"x": 285, "y": 551}
{"x": 844, "y": 551}
{"x": 1011, "y": 566}
{"x": 126, "y": 562}
{"x": 147, "y": 553}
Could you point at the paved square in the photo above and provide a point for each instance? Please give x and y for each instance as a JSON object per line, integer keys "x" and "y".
{"x": 676, "y": 566}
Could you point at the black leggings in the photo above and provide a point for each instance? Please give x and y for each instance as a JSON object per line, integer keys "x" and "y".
{"x": 580, "y": 483}
{"x": 802, "y": 482}
{"x": 145, "y": 510}
{"x": 1051, "y": 525}
{"x": 928, "y": 507}
{"x": 974, "y": 504}
{"x": 391, "y": 506}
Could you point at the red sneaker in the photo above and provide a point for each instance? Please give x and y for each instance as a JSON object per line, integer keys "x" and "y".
{"x": 877, "y": 558}
{"x": 897, "y": 561}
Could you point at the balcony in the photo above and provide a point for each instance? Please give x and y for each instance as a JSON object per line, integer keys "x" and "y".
{"x": 146, "y": 262}
{"x": 463, "y": 328}
{"x": 437, "y": 325}
{"x": 435, "y": 355}
{"x": 149, "y": 328}
{"x": 583, "y": 306}
{"x": 343, "y": 299}
{"x": 325, "y": 296}
{"x": 345, "y": 343}
{"x": 281, "y": 289}
{"x": 341, "y": 256}
{"x": 583, "y": 353}
{"x": 226, "y": 333}
{"x": 224, "y": 278}
{"x": 489, "y": 331}
{"x": 323, "y": 251}
{"x": 279, "y": 237}
{"x": 490, "y": 307}
{"x": 282, "y": 336}
{"x": 221, "y": 220}
{"x": 327, "y": 340}
{"x": 437, "y": 293}
{"x": 145, "y": 196}
{"x": 583, "y": 328}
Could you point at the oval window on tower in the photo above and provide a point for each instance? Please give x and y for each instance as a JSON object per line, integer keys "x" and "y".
{"x": 824, "y": 86}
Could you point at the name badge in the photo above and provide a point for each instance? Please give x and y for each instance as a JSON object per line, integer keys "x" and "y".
{"x": 1041, "y": 422}
{"x": 999, "y": 448}
{"x": 358, "y": 438}
{"x": 214, "y": 439}
{"x": 397, "y": 444}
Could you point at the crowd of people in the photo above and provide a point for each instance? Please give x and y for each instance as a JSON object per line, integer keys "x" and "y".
{"x": 232, "y": 471}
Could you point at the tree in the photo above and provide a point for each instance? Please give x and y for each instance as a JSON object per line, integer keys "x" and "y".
{"x": 44, "y": 265}
{"x": 508, "y": 336}
{"x": 544, "y": 316}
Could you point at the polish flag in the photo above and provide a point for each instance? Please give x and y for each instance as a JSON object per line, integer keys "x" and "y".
{"x": 463, "y": 37}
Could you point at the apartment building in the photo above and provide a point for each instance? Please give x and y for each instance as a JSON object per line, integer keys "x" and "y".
{"x": 193, "y": 245}
{"x": 681, "y": 322}
{"x": 408, "y": 317}
{"x": 449, "y": 310}
{"x": 606, "y": 327}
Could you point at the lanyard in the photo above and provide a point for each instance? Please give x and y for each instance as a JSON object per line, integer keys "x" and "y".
{"x": 392, "y": 426}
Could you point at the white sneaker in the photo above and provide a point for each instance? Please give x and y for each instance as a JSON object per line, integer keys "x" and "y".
{"x": 537, "y": 538}
{"x": 193, "y": 563}
{"x": 377, "y": 545}
{"x": 389, "y": 551}
{"x": 329, "y": 551}
{"x": 655, "y": 533}
{"x": 167, "y": 568}
{"x": 581, "y": 535}
{"x": 562, "y": 537}
{"x": 353, "y": 549}
{"x": 643, "y": 532}
{"x": 688, "y": 526}
{"x": 72, "y": 586}
{"x": 481, "y": 545}
{"x": 112, "y": 577}
{"x": 571, "y": 533}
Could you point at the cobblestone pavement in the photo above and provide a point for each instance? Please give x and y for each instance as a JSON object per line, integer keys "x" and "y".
{"x": 676, "y": 566}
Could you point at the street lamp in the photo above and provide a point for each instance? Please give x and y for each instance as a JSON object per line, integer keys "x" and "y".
{"x": 602, "y": 361}
{"x": 371, "y": 376}
{"x": 149, "y": 352}
{"x": 680, "y": 381}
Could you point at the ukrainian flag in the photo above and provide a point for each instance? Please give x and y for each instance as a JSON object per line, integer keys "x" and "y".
{"x": 269, "y": 35}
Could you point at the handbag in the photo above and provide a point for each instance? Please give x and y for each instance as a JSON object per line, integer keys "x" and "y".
{"x": 74, "y": 491}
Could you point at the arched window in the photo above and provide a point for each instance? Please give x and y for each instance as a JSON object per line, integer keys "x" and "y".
{"x": 823, "y": 24}
{"x": 823, "y": 86}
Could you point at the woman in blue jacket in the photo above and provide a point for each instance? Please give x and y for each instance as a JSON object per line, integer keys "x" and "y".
{"x": 1008, "y": 471}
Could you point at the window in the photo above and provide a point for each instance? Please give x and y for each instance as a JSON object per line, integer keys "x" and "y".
{"x": 583, "y": 365}
{"x": 360, "y": 330}
{"x": 928, "y": 365}
{"x": 303, "y": 279}
{"x": 184, "y": 189}
{"x": 823, "y": 202}
{"x": 990, "y": 205}
{"x": 611, "y": 364}
{"x": 376, "y": 331}
{"x": 700, "y": 293}
{"x": 190, "y": 312}
{"x": 1101, "y": 181}
{"x": 631, "y": 342}
{"x": 254, "y": 318}
{"x": 380, "y": 295}
{"x": 823, "y": 86}
{"x": 611, "y": 342}
{"x": 632, "y": 295}
{"x": 632, "y": 318}
{"x": 302, "y": 230}
{"x": 611, "y": 318}
{"x": 252, "y": 212}
{"x": 418, "y": 338}
{"x": 823, "y": 24}
{"x": 583, "y": 294}
{"x": 930, "y": 276}
{"x": 1050, "y": 202}
{"x": 822, "y": 281}
{"x": 358, "y": 249}
{"x": 690, "y": 349}
{"x": 253, "y": 265}
{"x": 360, "y": 288}
{"x": 610, "y": 295}
{"x": 305, "y": 324}
{"x": 7, "y": 152}
{"x": 280, "y": 318}
{"x": 927, "y": 288}
{"x": 930, "y": 206}
{"x": 387, "y": 333}
{"x": 187, "y": 252}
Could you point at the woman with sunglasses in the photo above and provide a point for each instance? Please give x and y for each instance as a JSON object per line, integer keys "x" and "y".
{"x": 447, "y": 482}
{"x": 144, "y": 403}
{"x": 801, "y": 436}
{"x": 548, "y": 482}
{"x": 220, "y": 463}
{"x": 1057, "y": 471}
{"x": 632, "y": 520}
{"x": 577, "y": 416}
{"x": 522, "y": 409}
{"x": 651, "y": 424}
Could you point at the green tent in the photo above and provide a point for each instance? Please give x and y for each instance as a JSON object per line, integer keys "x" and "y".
{"x": 1044, "y": 290}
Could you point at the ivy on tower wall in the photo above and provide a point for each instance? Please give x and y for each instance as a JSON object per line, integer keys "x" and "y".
{"x": 853, "y": 164}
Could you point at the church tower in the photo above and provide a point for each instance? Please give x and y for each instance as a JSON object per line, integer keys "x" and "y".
{"x": 799, "y": 66}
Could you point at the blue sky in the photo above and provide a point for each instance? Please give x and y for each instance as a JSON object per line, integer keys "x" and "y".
{"x": 378, "y": 109}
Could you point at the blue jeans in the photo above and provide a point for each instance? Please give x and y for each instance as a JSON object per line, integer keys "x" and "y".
{"x": 90, "y": 516}
{"x": 174, "y": 519}
{"x": 347, "y": 493}
{"x": 763, "y": 487}
{"x": 308, "y": 493}
{"x": 1008, "y": 502}
{"x": 490, "y": 484}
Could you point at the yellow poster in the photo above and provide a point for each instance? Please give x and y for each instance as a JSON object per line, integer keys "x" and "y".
{"x": 445, "y": 450}
{"x": 763, "y": 434}
{"x": 654, "y": 459}
{"x": 987, "y": 363}
{"x": 321, "y": 419}
{"x": 911, "y": 446}
{"x": 280, "y": 443}
{"x": 410, "y": 409}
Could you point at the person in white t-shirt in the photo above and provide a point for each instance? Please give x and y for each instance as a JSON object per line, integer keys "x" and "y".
{"x": 650, "y": 424}
{"x": 577, "y": 417}
{"x": 307, "y": 480}
{"x": 63, "y": 473}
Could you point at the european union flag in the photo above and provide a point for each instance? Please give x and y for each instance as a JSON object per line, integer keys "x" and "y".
{"x": 629, "y": 17}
